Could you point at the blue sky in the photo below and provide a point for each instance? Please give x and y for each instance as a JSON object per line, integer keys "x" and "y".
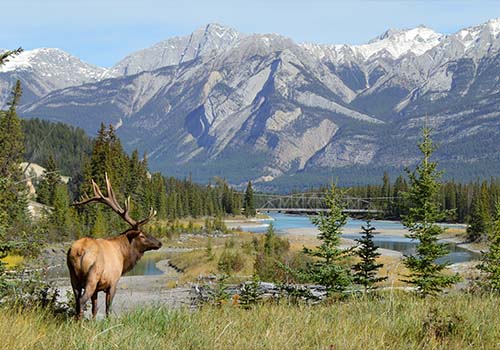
{"x": 102, "y": 32}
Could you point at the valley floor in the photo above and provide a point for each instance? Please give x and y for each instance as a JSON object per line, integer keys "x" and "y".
{"x": 172, "y": 288}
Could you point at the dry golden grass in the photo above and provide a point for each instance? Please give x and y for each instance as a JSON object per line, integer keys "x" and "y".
{"x": 198, "y": 263}
{"x": 392, "y": 321}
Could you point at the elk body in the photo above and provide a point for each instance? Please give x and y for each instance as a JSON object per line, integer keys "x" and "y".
{"x": 96, "y": 265}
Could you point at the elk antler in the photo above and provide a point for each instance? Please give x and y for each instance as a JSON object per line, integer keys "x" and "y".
{"x": 111, "y": 201}
{"x": 152, "y": 214}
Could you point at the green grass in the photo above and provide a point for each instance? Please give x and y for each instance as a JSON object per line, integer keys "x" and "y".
{"x": 458, "y": 321}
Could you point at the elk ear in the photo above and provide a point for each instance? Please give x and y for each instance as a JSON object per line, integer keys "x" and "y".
{"x": 132, "y": 234}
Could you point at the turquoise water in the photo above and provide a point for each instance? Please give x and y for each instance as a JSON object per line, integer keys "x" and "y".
{"x": 283, "y": 222}
{"x": 404, "y": 245}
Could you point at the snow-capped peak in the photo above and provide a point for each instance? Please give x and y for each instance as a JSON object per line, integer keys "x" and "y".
{"x": 469, "y": 36}
{"x": 399, "y": 42}
{"x": 21, "y": 61}
{"x": 49, "y": 61}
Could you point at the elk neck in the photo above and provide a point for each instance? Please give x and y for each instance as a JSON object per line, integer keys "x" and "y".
{"x": 130, "y": 253}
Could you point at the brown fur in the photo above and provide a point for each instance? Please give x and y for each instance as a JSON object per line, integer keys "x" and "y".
{"x": 96, "y": 265}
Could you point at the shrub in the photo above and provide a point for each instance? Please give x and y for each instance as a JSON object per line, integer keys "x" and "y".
{"x": 230, "y": 261}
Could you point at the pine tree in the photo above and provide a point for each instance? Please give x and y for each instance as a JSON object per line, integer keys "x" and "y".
{"x": 13, "y": 196}
{"x": 423, "y": 213}
{"x": 271, "y": 252}
{"x": 47, "y": 186}
{"x": 63, "y": 222}
{"x": 11, "y": 138}
{"x": 490, "y": 260}
{"x": 248, "y": 202}
{"x": 329, "y": 268}
{"x": 386, "y": 185}
{"x": 366, "y": 269}
{"x": 478, "y": 220}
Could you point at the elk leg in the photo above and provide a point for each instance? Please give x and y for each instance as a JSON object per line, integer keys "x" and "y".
{"x": 90, "y": 288}
{"x": 94, "y": 304}
{"x": 110, "y": 294}
{"x": 77, "y": 292}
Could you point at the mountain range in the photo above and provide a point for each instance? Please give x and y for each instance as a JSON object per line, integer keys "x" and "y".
{"x": 285, "y": 115}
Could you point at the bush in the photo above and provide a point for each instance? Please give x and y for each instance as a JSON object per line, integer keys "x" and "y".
{"x": 231, "y": 261}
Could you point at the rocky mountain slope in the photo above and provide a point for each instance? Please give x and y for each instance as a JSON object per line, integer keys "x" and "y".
{"x": 263, "y": 107}
{"x": 44, "y": 70}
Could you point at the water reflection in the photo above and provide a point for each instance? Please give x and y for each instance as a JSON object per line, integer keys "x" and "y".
{"x": 147, "y": 265}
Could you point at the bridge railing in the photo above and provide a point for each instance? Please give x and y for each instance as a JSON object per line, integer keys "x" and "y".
{"x": 311, "y": 201}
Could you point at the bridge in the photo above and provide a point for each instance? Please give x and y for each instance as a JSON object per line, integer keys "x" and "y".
{"x": 313, "y": 202}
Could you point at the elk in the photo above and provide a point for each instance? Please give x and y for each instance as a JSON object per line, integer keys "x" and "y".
{"x": 96, "y": 265}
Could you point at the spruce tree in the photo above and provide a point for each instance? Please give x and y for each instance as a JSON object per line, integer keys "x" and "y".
{"x": 13, "y": 189}
{"x": 61, "y": 218}
{"x": 423, "y": 213}
{"x": 271, "y": 251}
{"x": 366, "y": 269}
{"x": 490, "y": 259}
{"x": 248, "y": 201}
{"x": 11, "y": 138}
{"x": 47, "y": 186}
{"x": 329, "y": 267}
{"x": 478, "y": 220}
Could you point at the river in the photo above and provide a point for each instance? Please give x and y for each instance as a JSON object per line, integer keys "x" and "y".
{"x": 389, "y": 234}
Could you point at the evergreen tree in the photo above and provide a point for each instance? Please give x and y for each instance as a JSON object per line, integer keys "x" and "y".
{"x": 478, "y": 220}
{"x": 11, "y": 138}
{"x": 490, "y": 260}
{"x": 63, "y": 223}
{"x": 329, "y": 267}
{"x": 248, "y": 202}
{"x": 366, "y": 269}
{"x": 50, "y": 180}
{"x": 271, "y": 251}
{"x": 423, "y": 213}
{"x": 386, "y": 185}
{"x": 13, "y": 194}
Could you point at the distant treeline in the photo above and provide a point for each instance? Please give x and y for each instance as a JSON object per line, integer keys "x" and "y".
{"x": 463, "y": 201}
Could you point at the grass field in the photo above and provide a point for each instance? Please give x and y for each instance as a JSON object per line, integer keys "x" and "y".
{"x": 393, "y": 321}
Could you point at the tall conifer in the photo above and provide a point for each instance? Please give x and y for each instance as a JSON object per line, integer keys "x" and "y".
{"x": 425, "y": 273}
{"x": 329, "y": 267}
